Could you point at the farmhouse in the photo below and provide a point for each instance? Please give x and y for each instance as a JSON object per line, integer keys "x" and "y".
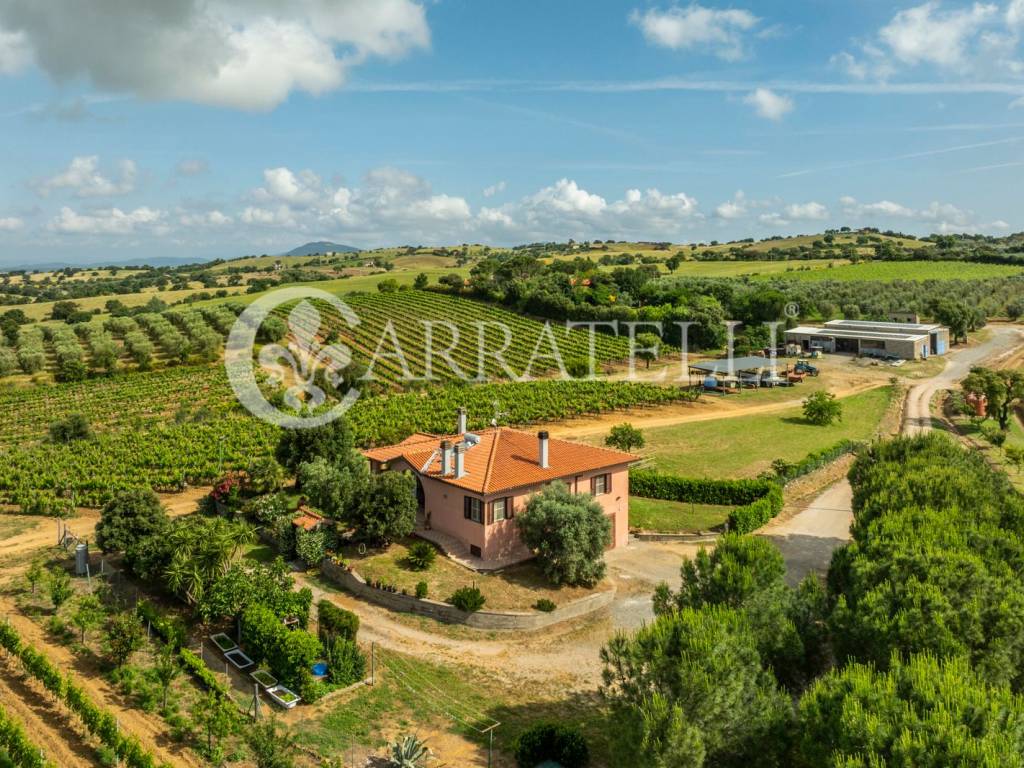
{"x": 907, "y": 341}
{"x": 470, "y": 486}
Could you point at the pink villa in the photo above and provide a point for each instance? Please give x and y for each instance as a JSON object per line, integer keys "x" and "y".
{"x": 471, "y": 485}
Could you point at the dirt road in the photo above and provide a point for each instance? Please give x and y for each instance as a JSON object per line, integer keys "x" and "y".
{"x": 808, "y": 539}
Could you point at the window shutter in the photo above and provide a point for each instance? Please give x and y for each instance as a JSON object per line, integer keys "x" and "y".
{"x": 608, "y": 483}
{"x": 593, "y": 486}
{"x": 465, "y": 507}
{"x": 489, "y": 513}
{"x": 508, "y": 508}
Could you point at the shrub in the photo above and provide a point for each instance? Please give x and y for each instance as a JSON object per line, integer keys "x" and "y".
{"x": 544, "y": 605}
{"x": 67, "y": 430}
{"x": 335, "y": 622}
{"x": 345, "y": 662}
{"x": 545, "y": 742}
{"x": 468, "y": 599}
{"x": 421, "y": 589}
{"x": 625, "y": 437}
{"x": 821, "y": 408}
{"x": 311, "y": 546}
{"x": 421, "y": 555}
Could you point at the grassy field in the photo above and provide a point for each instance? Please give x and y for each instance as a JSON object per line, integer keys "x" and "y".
{"x": 514, "y": 589}
{"x": 743, "y": 446}
{"x": 674, "y": 516}
{"x": 887, "y": 271}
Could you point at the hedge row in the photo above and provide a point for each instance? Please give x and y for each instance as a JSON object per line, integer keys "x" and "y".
{"x": 819, "y": 459}
{"x": 21, "y": 752}
{"x": 99, "y": 723}
{"x": 171, "y": 630}
{"x": 652, "y": 484}
{"x": 758, "y": 501}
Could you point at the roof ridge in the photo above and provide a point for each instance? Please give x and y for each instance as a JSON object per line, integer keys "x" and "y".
{"x": 490, "y": 461}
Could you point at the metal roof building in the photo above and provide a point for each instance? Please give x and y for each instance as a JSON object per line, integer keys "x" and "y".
{"x": 907, "y": 341}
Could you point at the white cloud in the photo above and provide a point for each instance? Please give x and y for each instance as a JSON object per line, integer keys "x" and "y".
{"x": 11, "y": 224}
{"x": 303, "y": 188}
{"x": 973, "y": 40}
{"x": 211, "y": 219}
{"x": 769, "y": 104}
{"x": 927, "y": 34}
{"x": 247, "y": 54}
{"x": 851, "y": 207}
{"x": 773, "y": 220}
{"x": 15, "y": 54}
{"x": 938, "y": 216}
{"x": 806, "y": 211}
{"x": 112, "y": 221}
{"x": 733, "y": 209}
{"x": 1015, "y": 13}
{"x": 1017, "y": 103}
{"x": 282, "y": 216}
{"x": 567, "y": 196}
{"x": 494, "y": 189}
{"x": 695, "y": 27}
{"x": 84, "y": 179}
{"x": 193, "y": 166}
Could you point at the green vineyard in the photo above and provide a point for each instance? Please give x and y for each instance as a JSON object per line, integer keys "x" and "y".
{"x": 479, "y": 341}
{"x": 182, "y": 425}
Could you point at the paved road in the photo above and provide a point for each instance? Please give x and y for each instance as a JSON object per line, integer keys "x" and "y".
{"x": 808, "y": 539}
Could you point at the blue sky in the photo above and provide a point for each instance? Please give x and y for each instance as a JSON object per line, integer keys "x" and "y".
{"x": 226, "y": 127}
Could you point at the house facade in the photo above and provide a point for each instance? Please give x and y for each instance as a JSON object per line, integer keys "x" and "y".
{"x": 472, "y": 485}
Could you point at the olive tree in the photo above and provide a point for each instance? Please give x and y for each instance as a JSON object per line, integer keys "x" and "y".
{"x": 569, "y": 533}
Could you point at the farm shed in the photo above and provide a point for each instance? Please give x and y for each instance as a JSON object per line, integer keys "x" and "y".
{"x": 907, "y": 341}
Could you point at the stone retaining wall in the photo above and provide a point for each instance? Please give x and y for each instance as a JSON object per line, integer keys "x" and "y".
{"x": 435, "y": 609}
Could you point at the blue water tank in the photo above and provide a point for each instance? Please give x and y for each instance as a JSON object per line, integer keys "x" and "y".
{"x": 710, "y": 382}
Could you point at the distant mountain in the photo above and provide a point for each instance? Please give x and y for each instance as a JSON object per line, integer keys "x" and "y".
{"x": 323, "y": 246}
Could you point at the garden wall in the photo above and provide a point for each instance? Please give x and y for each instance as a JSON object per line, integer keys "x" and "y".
{"x": 354, "y": 583}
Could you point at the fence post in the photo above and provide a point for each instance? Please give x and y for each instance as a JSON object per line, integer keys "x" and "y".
{"x": 373, "y": 663}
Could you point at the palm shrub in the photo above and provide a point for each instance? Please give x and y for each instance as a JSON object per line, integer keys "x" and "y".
{"x": 409, "y": 752}
{"x": 421, "y": 555}
{"x": 468, "y": 599}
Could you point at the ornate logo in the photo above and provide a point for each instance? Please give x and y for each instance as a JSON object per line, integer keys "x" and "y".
{"x": 302, "y": 366}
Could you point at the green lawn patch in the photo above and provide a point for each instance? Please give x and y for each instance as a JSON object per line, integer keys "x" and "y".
{"x": 660, "y": 516}
{"x": 744, "y": 446}
{"x": 516, "y": 588}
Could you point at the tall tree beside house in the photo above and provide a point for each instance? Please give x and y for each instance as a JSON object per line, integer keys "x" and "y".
{"x": 1003, "y": 389}
{"x": 568, "y": 532}
{"x": 388, "y": 511}
{"x": 333, "y": 487}
{"x": 330, "y": 441}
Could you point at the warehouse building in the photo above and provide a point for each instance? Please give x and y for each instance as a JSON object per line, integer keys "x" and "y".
{"x": 905, "y": 341}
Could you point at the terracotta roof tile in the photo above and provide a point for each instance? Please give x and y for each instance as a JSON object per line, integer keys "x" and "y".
{"x": 503, "y": 460}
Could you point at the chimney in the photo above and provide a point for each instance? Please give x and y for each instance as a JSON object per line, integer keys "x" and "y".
{"x": 460, "y": 469}
{"x": 446, "y": 458}
{"x": 542, "y": 449}
{"x": 462, "y": 421}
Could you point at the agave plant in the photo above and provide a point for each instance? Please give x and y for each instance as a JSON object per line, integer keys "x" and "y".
{"x": 408, "y": 752}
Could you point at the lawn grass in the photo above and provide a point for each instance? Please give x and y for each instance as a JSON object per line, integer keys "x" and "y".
{"x": 744, "y": 446}
{"x": 661, "y": 516}
{"x": 515, "y": 588}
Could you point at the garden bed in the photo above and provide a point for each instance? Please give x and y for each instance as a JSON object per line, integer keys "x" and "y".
{"x": 516, "y": 588}
{"x": 264, "y": 678}
{"x": 283, "y": 697}
{"x": 223, "y": 642}
{"x": 239, "y": 659}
